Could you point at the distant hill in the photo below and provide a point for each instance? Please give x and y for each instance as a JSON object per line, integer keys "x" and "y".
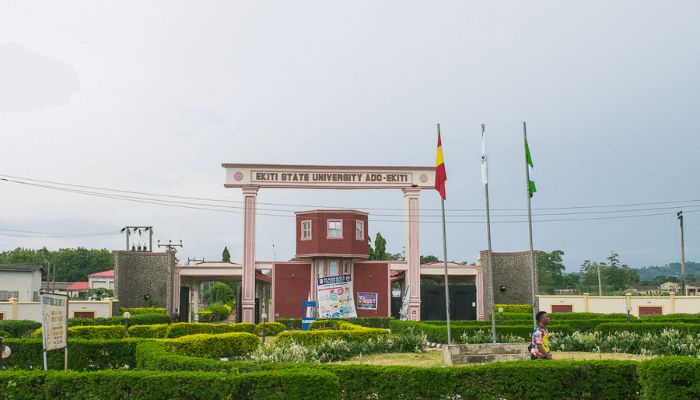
{"x": 672, "y": 269}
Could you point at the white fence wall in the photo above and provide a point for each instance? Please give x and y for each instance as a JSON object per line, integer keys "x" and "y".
{"x": 14, "y": 309}
{"x": 671, "y": 304}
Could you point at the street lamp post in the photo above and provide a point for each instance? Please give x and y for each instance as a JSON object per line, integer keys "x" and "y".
{"x": 126, "y": 316}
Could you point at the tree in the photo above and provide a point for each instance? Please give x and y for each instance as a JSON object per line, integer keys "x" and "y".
{"x": 613, "y": 274}
{"x": 98, "y": 293}
{"x": 219, "y": 293}
{"x": 550, "y": 270}
{"x": 428, "y": 259}
{"x": 379, "y": 251}
{"x": 226, "y": 256}
{"x": 71, "y": 264}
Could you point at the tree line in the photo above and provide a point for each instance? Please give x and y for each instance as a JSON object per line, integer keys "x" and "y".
{"x": 71, "y": 265}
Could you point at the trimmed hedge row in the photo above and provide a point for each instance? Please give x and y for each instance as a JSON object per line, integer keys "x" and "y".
{"x": 142, "y": 310}
{"x": 90, "y": 332}
{"x": 210, "y": 346}
{"x": 294, "y": 324}
{"x": 438, "y": 334}
{"x": 648, "y": 327}
{"x": 514, "y": 308}
{"x": 152, "y": 355}
{"x": 156, "y": 331}
{"x": 19, "y": 328}
{"x": 271, "y": 328}
{"x": 346, "y": 331}
{"x": 186, "y": 328}
{"x": 82, "y": 354}
{"x": 150, "y": 385}
{"x": 138, "y": 319}
{"x": 665, "y": 378}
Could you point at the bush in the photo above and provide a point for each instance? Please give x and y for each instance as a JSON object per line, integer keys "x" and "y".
{"x": 188, "y": 328}
{"x": 19, "y": 328}
{"x": 152, "y": 385}
{"x": 348, "y": 335}
{"x": 157, "y": 331}
{"x": 215, "y": 313}
{"x": 82, "y": 354}
{"x": 648, "y": 327}
{"x": 210, "y": 346}
{"x": 513, "y": 308}
{"x": 142, "y": 310}
{"x": 90, "y": 332}
{"x": 438, "y": 333}
{"x": 290, "y": 324}
{"x": 670, "y": 378}
{"x": 151, "y": 355}
{"x": 138, "y": 319}
{"x": 271, "y": 328}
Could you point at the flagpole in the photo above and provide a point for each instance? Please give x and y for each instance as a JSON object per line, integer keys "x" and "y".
{"x": 529, "y": 225}
{"x": 444, "y": 248}
{"x": 484, "y": 177}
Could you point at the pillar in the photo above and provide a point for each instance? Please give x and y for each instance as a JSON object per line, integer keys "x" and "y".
{"x": 195, "y": 302}
{"x": 480, "y": 288}
{"x": 411, "y": 197}
{"x": 250, "y": 194}
{"x": 672, "y": 300}
{"x": 175, "y": 303}
{"x": 585, "y": 301}
{"x": 13, "y": 303}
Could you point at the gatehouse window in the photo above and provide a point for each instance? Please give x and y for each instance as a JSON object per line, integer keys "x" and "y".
{"x": 359, "y": 230}
{"x": 345, "y": 269}
{"x": 305, "y": 230}
{"x": 335, "y": 229}
{"x": 332, "y": 267}
{"x": 321, "y": 268}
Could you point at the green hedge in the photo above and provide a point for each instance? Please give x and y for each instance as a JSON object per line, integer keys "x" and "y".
{"x": 142, "y": 310}
{"x": 157, "y": 331}
{"x": 187, "y": 328}
{"x": 82, "y": 354}
{"x": 290, "y": 324}
{"x": 233, "y": 344}
{"x": 91, "y": 332}
{"x": 438, "y": 334}
{"x": 514, "y": 308}
{"x": 667, "y": 378}
{"x": 647, "y": 327}
{"x": 271, "y": 328}
{"x": 350, "y": 335}
{"x": 138, "y": 319}
{"x": 151, "y": 385}
{"x": 19, "y": 328}
{"x": 152, "y": 355}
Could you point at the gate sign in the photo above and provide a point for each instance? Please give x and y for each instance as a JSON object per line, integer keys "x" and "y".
{"x": 335, "y": 298}
{"x": 367, "y": 300}
{"x": 54, "y": 321}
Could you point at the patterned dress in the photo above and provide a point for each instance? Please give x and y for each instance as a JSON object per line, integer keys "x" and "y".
{"x": 539, "y": 337}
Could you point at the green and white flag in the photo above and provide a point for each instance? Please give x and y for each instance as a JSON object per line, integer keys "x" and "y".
{"x": 530, "y": 168}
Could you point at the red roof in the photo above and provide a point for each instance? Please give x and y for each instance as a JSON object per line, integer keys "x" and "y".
{"x": 102, "y": 274}
{"x": 79, "y": 286}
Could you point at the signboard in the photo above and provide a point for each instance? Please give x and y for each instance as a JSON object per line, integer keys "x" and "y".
{"x": 367, "y": 300}
{"x": 54, "y": 321}
{"x": 319, "y": 176}
{"x": 335, "y": 298}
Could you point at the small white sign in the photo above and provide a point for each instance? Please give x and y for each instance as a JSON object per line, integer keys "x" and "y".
{"x": 54, "y": 321}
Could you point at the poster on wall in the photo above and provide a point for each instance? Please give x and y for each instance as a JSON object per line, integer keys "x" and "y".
{"x": 367, "y": 300}
{"x": 335, "y": 298}
{"x": 54, "y": 321}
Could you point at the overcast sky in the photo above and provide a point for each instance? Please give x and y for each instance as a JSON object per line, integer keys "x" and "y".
{"x": 153, "y": 96}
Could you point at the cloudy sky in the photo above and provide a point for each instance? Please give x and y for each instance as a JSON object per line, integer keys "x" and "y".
{"x": 153, "y": 96}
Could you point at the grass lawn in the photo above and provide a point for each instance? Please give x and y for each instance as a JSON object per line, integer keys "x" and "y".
{"x": 433, "y": 358}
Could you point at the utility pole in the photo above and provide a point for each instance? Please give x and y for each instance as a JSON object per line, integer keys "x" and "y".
{"x": 170, "y": 245}
{"x": 129, "y": 230}
{"x": 680, "y": 219}
{"x": 600, "y": 285}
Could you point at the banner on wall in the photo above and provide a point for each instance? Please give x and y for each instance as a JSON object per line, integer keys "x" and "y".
{"x": 367, "y": 300}
{"x": 335, "y": 298}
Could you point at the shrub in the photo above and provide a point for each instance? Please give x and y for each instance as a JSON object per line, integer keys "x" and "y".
{"x": 151, "y": 355}
{"x": 271, "y": 328}
{"x": 138, "y": 319}
{"x": 148, "y": 331}
{"x": 290, "y": 324}
{"x": 142, "y": 310}
{"x": 317, "y": 337}
{"x": 19, "y": 328}
{"x": 438, "y": 334}
{"x": 152, "y": 385}
{"x": 215, "y": 313}
{"x": 189, "y": 328}
{"x": 90, "y": 332}
{"x": 670, "y": 378}
{"x": 82, "y": 354}
{"x": 210, "y": 346}
{"x": 514, "y": 308}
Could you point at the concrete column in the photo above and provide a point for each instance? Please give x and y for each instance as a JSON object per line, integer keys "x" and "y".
{"x": 175, "y": 304}
{"x": 250, "y": 194}
{"x": 585, "y": 301}
{"x": 411, "y": 197}
{"x": 672, "y": 300}
{"x": 195, "y": 302}
{"x": 480, "y": 288}
{"x": 13, "y": 303}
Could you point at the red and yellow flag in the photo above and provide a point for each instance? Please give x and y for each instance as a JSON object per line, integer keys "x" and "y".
{"x": 440, "y": 173}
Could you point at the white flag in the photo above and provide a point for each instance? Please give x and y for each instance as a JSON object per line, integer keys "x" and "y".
{"x": 484, "y": 165}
